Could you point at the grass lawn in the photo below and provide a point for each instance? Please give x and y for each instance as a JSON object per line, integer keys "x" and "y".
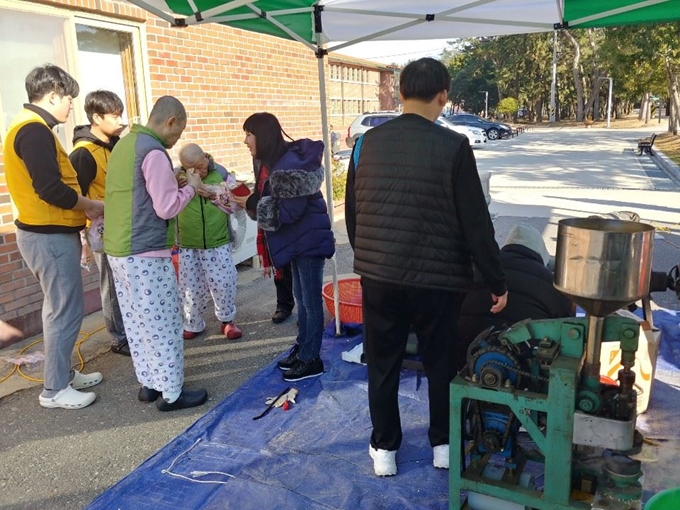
{"x": 669, "y": 145}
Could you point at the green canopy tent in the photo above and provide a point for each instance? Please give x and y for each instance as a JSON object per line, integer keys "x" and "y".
{"x": 330, "y": 25}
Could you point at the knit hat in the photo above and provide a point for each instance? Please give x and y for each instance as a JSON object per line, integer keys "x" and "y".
{"x": 526, "y": 235}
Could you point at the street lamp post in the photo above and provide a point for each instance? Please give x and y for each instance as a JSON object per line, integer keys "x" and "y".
{"x": 486, "y": 102}
{"x": 609, "y": 101}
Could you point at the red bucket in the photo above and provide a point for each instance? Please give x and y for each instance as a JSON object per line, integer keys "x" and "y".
{"x": 349, "y": 292}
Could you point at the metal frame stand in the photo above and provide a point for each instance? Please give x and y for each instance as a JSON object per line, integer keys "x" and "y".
{"x": 555, "y": 444}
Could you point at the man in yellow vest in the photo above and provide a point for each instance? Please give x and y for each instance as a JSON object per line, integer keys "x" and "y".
{"x": 49, "y": 213}
{"x": 92, "y": 146}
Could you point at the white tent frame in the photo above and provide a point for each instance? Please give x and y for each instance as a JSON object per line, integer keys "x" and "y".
{"x": 218, "y": 15}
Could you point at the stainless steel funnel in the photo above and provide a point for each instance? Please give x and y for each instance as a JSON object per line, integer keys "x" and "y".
{"x": 601, "y": 264}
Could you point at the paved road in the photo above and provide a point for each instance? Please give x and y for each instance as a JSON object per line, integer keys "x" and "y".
{"x": 55, "y": 459}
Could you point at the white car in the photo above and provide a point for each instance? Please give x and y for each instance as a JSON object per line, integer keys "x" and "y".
{"x": 476, "y": 136}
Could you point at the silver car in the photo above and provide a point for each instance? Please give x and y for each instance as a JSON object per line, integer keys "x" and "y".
{"x": 476, "y": 136}
{"x": 364, "y": 122}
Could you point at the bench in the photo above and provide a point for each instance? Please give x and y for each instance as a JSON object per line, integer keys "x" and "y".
{"x": 645, "y": 145}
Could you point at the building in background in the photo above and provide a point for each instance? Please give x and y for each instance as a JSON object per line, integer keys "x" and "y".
{"x": 355, "y": 86}
{"x": 222, "y": 75}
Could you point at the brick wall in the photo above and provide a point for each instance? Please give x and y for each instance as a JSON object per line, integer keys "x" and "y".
{"x": 222, "y": 75}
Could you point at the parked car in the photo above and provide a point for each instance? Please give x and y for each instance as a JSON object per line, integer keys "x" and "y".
{"x": 494, "y": 130}
{"x": 364, "y": 122}
{"x": 476, "y": 136}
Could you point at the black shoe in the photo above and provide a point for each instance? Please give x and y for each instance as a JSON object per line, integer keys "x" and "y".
{"x": 188, "y": 398}
{"x": 123, "y": 349}
{"x": 287, "y": 362}
{"x": 280, "y": 316}
{"x": 304, "y": 370}
{"x": 148, "y": 394}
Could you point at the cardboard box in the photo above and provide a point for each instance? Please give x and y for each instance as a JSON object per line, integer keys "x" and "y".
{"x": 645, "y": 360}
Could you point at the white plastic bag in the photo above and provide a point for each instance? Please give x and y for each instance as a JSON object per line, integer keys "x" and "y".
{"x": 95, "y": 235}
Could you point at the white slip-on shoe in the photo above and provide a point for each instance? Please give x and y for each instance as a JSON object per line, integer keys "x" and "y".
{"x": 384, "y": 461}
{"x": 68, "y": 398}
{"x": 82, "y": 381}
{"x": 441, "y": 456}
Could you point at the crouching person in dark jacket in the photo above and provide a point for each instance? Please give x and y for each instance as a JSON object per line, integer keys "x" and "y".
{"x": 531, "y": 294}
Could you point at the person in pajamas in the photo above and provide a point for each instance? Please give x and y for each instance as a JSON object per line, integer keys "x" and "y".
{"x": 142, "y": 194}
{"x": 92, "y": 146}
{"x": 204, "y": 240}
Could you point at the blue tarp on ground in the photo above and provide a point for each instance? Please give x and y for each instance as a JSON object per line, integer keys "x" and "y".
{"x": 316, "y": 454}
{"x": 313, "y": 456}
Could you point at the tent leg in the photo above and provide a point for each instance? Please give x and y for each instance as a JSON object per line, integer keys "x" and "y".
{"x": 329, "y": 179}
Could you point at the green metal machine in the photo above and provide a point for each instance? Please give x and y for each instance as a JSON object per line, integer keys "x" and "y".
{"x": 544, "y": 377}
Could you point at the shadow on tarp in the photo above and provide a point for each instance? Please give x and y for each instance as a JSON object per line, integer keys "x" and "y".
{"x": 313, "y": 456}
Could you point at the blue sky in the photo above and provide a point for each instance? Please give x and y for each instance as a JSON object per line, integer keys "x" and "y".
{"x": 399, "y": 52}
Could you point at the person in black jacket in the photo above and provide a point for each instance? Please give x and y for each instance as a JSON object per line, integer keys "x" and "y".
{"x": 417, "y": 219}
{"x": 530, "y": 285}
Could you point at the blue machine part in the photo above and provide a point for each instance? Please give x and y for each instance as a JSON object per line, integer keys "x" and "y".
{"x": 495, "y": 427}
{"x": 497, "y": 359}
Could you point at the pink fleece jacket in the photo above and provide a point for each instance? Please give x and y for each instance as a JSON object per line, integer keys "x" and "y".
{"x": 167, "y": 197}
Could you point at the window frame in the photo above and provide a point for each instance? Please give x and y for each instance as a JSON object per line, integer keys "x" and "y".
{"x": 71, "y": 17}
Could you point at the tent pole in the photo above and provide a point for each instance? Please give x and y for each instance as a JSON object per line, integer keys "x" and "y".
{"x": 329, "y": 179}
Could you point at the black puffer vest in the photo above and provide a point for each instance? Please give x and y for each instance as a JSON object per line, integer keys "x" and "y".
{"x": 407, "y": 230}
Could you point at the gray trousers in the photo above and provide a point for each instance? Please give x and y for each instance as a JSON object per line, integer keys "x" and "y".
{"x": 54, "y": 259}
{"x": 110, "y": 308}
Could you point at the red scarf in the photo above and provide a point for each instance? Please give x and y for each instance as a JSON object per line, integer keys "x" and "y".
{"x": 262, "y": 248}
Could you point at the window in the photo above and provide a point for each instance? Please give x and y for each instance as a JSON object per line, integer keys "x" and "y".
{"x": 97, "y": 54}
{"x": 108, "y": 57}
{"x": 26, "y": 38}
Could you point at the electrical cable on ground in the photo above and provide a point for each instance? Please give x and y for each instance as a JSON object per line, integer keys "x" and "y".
{"x": 17, "y": 368}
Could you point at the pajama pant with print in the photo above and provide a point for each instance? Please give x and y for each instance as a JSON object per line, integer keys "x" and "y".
{"x": 205, "y": 273}
{"x": 150, "y": 305}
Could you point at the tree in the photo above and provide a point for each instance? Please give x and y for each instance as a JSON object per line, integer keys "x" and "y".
{"x": 642, "y": 60}
{"x": 508, "y": 106}
{"x": 576, "y": 74}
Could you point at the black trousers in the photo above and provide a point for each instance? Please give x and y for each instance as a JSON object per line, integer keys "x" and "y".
{"x": 285, "y": 300}
{"x": 389, "y": 312}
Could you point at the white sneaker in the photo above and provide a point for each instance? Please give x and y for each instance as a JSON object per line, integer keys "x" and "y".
{"x": 441, "y": 456}
{"x": 68, "y": 398}
{"x": 82, "y": 381}
{"x": 384, "y": 461}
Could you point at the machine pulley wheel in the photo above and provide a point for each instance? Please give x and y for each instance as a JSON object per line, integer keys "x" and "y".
{"x": 492, "y": 377}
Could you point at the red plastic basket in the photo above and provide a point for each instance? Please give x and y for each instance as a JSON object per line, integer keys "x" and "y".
{"x": 349, "y": 292}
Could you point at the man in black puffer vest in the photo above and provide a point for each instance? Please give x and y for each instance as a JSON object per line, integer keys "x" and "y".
{"x": 417, "y": 219}
{"x": 530, "y": 284}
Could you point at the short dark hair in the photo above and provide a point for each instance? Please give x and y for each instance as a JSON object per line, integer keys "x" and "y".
{"x": 50, "y": 78}
{"x": 423, "y": 79}
{"x": 102, "y": 102}
{"x": 269, "y": 142}
{"x": 166, "y": 107}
